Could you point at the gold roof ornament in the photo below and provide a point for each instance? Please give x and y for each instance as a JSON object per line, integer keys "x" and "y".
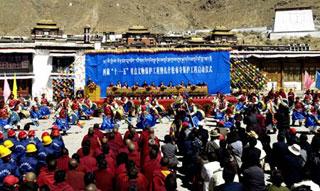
{"x": 221, "y": 30}
{"x": 46, "y": 22}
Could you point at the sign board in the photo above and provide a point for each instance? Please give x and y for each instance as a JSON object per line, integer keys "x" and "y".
{"x": 197, "y": 67}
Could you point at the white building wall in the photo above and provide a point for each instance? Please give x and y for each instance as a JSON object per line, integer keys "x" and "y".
{"x": 42, "y": 66}
{"x": 293, "y": 21}
{"x": 278, "y": 35}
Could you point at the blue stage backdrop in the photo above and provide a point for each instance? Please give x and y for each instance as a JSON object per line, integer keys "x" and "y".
{"x": 198, "y": 66}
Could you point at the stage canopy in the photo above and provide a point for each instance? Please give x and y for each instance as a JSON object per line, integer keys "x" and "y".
{"x": 197, "y": 66}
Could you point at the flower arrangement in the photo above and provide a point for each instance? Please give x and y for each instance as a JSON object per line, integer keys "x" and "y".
{"x": 134, "y": 88}
{"x": 92, "y": 87}
{"x": 115, "y": 88}
{"x": 178, "y": 87}
{"x": 162, "y": 88}
{"x": 148, "y": 88}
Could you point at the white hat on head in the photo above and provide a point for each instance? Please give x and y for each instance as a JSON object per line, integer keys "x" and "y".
{"x": 295, "y": 149}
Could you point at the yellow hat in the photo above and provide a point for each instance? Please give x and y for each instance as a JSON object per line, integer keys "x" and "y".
{"x": 46, "y": 140}
{"x": 4, "y": 151}
{"x": 31, "y": 148}
{"x": 8, "y": 143}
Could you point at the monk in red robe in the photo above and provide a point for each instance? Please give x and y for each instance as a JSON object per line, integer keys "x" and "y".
{"x": 159, "y": 176}
{"x": 94, "y": 139}
{"x": 63, "y": 161}
{"x": 75, "y": 177}
{"x": 46, "y": 175}
{"x": 59, "y": 182}
{"x": 134, "y": 155}
{"x": 88, "y": 161}
{"x": 104, "y": 176}
{"x": 151, "y": 163}
{"x": 133, "y": 180}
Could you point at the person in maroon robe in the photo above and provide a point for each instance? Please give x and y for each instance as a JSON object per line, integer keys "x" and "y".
{"x": 80, "y": 167}
{"x": 46, "y": 175}
{"x": 144, "y": 137}
{"x": 11, "y": 101}
{"x": 105, "y": 155}
{"x": 85, "y": 143}
{"x": 93, "y": 138}
{"x": 291, "y": 97}
{"x": 44, "y": 100}
{"x": 151, "y": 163}
{"x": 122, "y": 160}
{"x": 97, "y": 132}
{"x": 134, "y": 155}
{"x": 131, "y": 134}
{"x": 104, "y": 176}
{"x": 133, "y": 180}
{"x": 282, "y": 93}
{"x": 151, "y": 141}
{"x": 63, "y": 161}
{"x": 87, "y": 160}
{"x": 159, "y": 176}
{"x": 114, "y": 143}
{"x": 117, "y": 137}
{"x": 75, "y": 177}
{"x": 60, "y": 183}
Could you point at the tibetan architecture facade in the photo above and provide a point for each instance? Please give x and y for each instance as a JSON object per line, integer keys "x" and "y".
{"x": 222, "y": 36}
{"x": 139, "y": 36}
{"x": 45, "y": 63}
{"x": 46, "y": 29}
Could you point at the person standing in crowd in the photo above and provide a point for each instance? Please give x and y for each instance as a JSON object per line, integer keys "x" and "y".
{"x": 292, "y": 169}
{"x": 169, "y": 151}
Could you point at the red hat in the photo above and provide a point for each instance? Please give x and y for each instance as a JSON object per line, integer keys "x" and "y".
{"x": 55, "y": 133}
{"x": 31, "y": 133}
{"x": 222, "y": 137}
{"x": 45, "y": 134}
{"x": 185, "y": 124}
{"x": 55, "y": 127}
{"x": 293, "y": 131}
{"x": 10, "y": 180}
{"x": 143, "y": 108}
{"x": 242, "y": 98}
{"x": 11, "y": 133}
{"x": 22, "y": 135}
{"x": 1, "y": 135}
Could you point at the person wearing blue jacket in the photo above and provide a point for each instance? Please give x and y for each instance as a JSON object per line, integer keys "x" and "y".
{"x": 29, "y": 162}
{"x": 7, "y": 166}
{"x": 10, "y": 145}
{"x": 47, "y": 146}
{"x": 20, "y": 147}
